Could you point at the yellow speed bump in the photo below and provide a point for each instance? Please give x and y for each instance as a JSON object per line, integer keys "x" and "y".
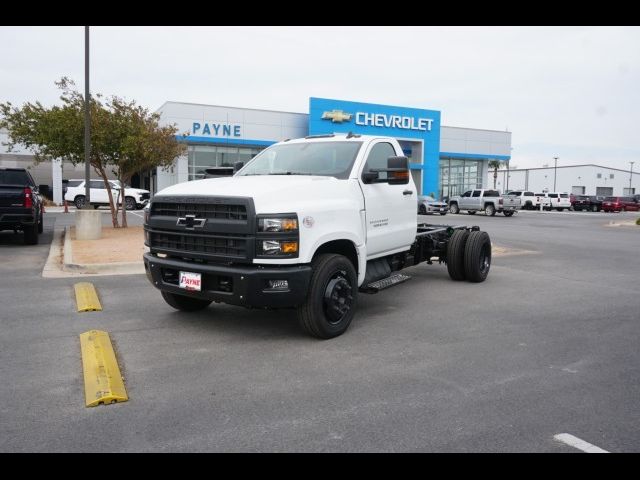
{"x": 87, "y": 298}
{"x": 102, "y": 380}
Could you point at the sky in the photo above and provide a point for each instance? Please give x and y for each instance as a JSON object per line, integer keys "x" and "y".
{"x": 570, "y": 92}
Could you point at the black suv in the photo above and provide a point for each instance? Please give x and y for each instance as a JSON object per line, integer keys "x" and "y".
{"x": 20, "y": 204}
{"x": 587, "y": 202}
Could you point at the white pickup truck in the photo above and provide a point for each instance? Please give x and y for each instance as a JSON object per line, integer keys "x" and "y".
{"x": 306, "y": 224}
{"x": 487, "y": 201}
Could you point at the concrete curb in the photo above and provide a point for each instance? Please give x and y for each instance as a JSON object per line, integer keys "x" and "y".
{"x": 104, "y": 268}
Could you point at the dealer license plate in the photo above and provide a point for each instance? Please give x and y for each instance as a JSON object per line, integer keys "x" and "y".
{"x": 191, "y": 281}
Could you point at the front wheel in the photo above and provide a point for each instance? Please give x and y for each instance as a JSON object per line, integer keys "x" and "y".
{"x": 331, "y": 300}
{"x": 508, "y": 213}
{"x": 422, "y": 210}
{"x": 130, "y": 203}
{"x": 490, "y": 210}
{"x": 184, "y": 303}
{"x": 453, "y": 208}
{"x": 477, "y": 257}
{"x": 79, "y": 201}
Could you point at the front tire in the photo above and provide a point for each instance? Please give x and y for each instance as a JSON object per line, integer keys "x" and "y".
{"x": 422, "y": 210}
{"x": 453, "y": 208}
{"x": 184, "y": 303}
{"x": 79, "y": 202}
{"x": 331, "y": 300}
{"x": 455, "y": 255}
{"x": 130, "y": 203}
{"x": 477, "y": 257}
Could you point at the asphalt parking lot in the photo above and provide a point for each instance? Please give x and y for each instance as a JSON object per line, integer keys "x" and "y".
{"x": 548, "y": 344}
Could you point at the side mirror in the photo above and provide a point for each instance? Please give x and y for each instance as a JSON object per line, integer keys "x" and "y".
{"x": 398, "y": 170}
{"x": 369, "y": 177}
{"x": 237, "y": 166}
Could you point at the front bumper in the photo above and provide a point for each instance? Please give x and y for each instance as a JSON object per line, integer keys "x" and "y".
{"x": 245, "y": 285}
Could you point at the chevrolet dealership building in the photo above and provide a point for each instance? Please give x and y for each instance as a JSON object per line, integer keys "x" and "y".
{"x": 444, "y": 160}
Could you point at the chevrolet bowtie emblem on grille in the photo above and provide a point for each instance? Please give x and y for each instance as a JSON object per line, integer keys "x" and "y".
{"x": 190, "y": 222}
{"x": 337, "y": 116}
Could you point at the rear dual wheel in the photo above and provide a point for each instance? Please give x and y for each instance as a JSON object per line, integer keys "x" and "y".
{"x": 469, "y": 256}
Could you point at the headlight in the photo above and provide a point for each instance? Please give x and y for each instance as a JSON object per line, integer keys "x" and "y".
{"x": 278, "y": 224}
{"x": 147, "y": 211}
{"x": 278, "y": 247}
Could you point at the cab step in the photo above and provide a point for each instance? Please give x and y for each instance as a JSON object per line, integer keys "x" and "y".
{"x": 390, "y": 281}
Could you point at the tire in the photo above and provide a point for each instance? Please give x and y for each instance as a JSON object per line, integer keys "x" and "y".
{"x": 332, "y": 297}
{"x": 443, "y": 213}
{"x": 489, "y": 210}
{"x": 41, "y": 223}
{"x": 455, "y": 255}
{"x": 95, "y": 206}
{"x": 183, "y": 303}
{"x": 422, "y": 210}
{"x": 31, "y": 234}
{"x": 471, "y": 212}
{"x": 477, "y": 257}
{"x": 528, "y": 206}
{"x": 560, "y": 209}
{"x": 79, "y": 202}
{"x": 130, "y": 203}
{"x": 453, "y": 208}
{"x": 509, "y": 213}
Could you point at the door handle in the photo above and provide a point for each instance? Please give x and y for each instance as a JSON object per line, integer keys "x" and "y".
{"x": 407, "y": 192}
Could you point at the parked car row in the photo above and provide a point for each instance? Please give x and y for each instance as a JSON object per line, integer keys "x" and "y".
{"x": 134, "y": 198}
{"x": 549, "y": 200}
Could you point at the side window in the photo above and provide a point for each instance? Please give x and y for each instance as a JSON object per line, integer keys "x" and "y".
{"x": 528, "y": 194}
{"x": 378, "y": 158}
{"x": 96, "y": 184}
{"x": 467, "y": 194}
{"x": 75, "y": 183}
{"x": 476, "y": 193}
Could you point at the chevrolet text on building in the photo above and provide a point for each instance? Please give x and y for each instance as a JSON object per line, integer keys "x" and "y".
{"x": 357, "y": 200}
{"x": 380, "y": 120}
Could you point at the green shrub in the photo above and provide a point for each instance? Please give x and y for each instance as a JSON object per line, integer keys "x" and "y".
{"x": 638, "y": 221}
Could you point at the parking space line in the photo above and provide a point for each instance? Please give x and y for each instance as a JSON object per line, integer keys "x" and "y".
{"x": 578, "y": 443}
{"x": 136, "y": 214}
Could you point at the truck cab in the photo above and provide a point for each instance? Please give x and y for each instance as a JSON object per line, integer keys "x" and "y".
{"x": 306, "y": 224}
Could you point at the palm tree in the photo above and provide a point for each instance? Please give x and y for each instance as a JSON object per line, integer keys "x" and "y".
{"x": 495, "y": 164}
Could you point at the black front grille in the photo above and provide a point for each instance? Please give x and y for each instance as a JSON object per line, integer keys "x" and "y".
{"x": 201, "y": 210}
{"x": 203, "y": 246}
{"x": 144, "y": 196}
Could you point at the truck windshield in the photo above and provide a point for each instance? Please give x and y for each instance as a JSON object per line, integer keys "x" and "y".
{"x": 331, "y": 159}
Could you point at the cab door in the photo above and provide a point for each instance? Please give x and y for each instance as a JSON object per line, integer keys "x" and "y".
{"x": 390, "y": 210}
{"x": 98, "y": 192}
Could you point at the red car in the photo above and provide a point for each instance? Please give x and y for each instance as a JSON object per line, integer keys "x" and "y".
{"x": 620, "y": 204}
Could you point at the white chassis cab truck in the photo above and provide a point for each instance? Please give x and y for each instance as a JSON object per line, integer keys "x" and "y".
{"x": 306, "y": 224}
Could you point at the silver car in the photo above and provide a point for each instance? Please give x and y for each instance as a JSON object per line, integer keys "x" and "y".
{"x": 428, "y": 205}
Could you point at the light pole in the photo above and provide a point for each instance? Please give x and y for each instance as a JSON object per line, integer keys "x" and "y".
{"x": 87, "y": 122}
{"x": 630, "y": 176}
{"x": 555, "y": 168}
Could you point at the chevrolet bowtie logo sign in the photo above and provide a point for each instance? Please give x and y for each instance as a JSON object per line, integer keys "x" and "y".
{"x": 190, "y": 222}
{"x": 337, "y": 116}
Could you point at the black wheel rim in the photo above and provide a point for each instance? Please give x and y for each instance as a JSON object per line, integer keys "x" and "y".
{"x": 338, "y": 297}
{"x": 80, "y": 202}
{"x": 129, "y": 203}
{"x": 485, "y": 258}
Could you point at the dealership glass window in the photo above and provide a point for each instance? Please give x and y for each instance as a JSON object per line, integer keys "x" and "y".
{"x": 201, "y": 157}
{"x": 457, "y": 176}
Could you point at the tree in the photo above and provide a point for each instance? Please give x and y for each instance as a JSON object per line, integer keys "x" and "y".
{"x": 495, "y": 164}
{"x": 125, "y": 137}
